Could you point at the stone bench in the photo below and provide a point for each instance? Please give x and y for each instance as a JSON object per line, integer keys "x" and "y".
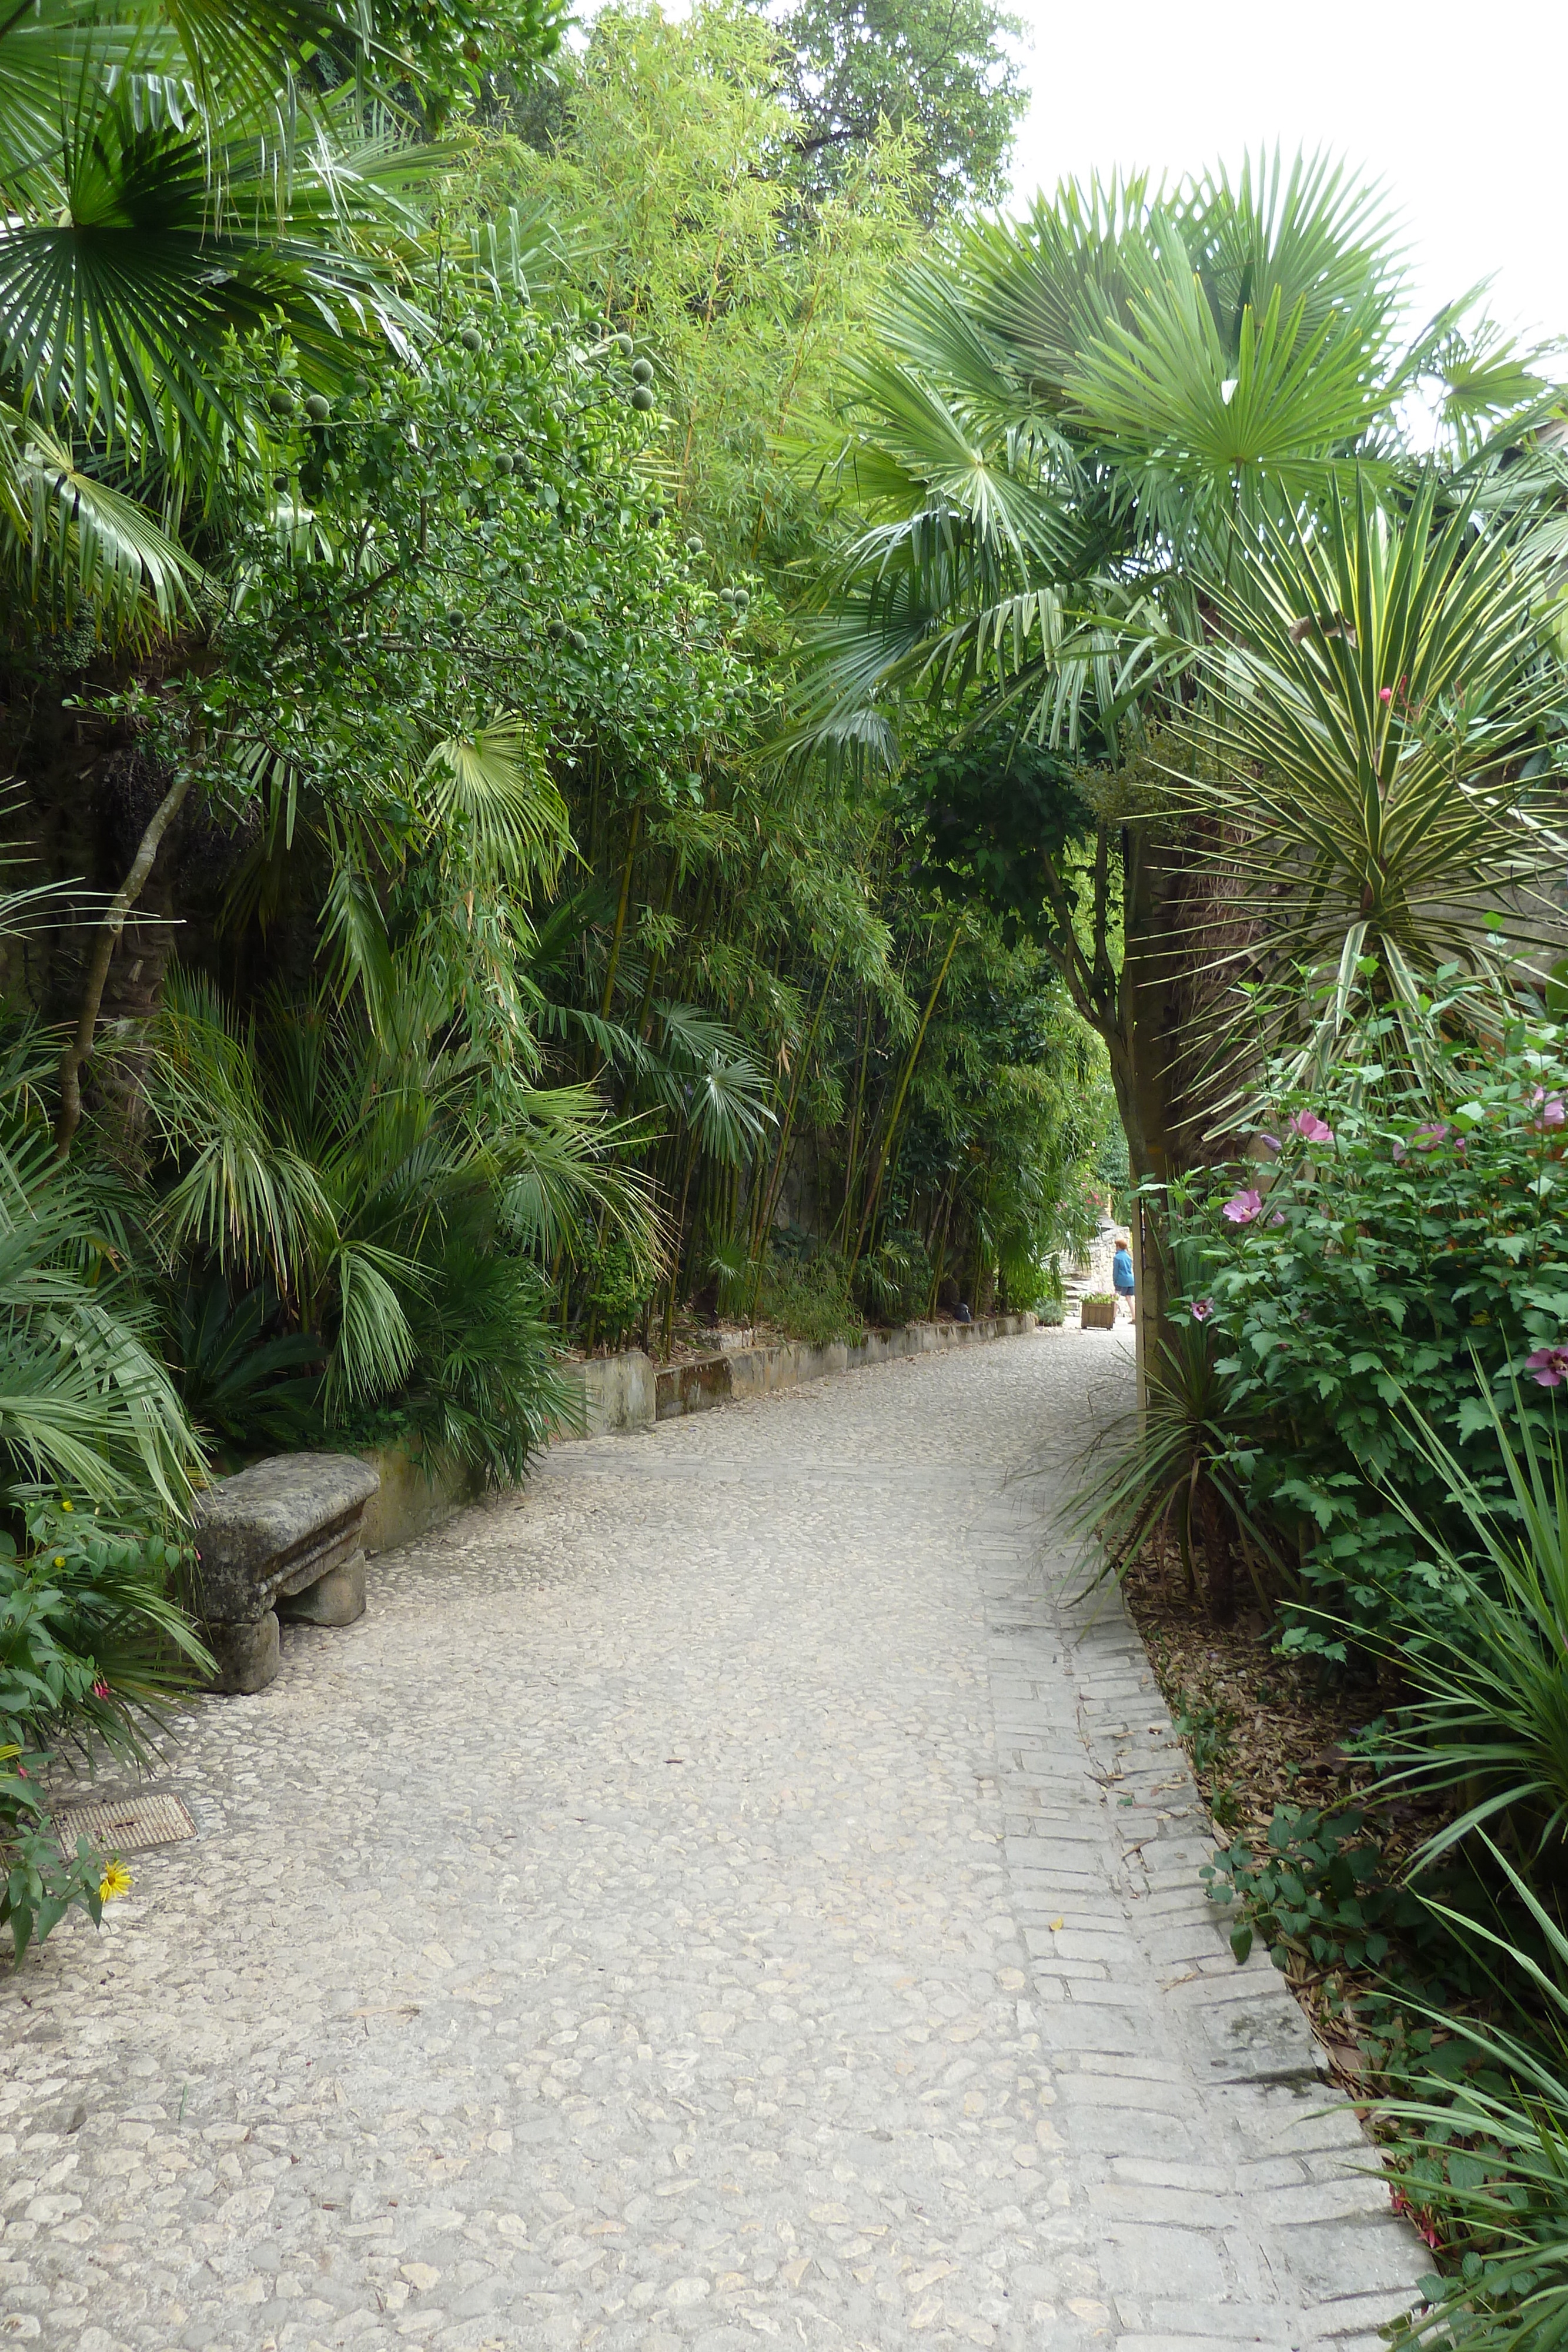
{"x": 285, "y": 1534}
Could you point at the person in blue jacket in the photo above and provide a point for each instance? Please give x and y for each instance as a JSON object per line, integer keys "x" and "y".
{"x": 1122, "y": 1271}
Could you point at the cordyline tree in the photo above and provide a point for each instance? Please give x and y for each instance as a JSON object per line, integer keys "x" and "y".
{"x": 1127, "y": 489}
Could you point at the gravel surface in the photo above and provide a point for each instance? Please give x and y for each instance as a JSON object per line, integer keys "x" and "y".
{"x": 721, "y": 1894}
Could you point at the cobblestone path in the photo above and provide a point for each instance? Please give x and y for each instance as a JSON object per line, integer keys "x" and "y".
{"x": 712, "y": 1899}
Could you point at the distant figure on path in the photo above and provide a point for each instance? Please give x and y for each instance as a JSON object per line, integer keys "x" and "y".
{"x": 1121, "y": 1272}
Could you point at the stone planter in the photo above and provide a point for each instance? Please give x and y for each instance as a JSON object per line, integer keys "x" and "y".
{"x": 1094, "y": 1316}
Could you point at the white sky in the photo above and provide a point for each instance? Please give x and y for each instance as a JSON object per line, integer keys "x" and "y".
{"x": 1464, "y": 118}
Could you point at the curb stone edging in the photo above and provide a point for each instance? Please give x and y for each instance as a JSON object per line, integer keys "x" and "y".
{"x": 1336, "y": 2249}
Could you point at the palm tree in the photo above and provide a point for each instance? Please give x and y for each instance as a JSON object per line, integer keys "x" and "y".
{"x": 1060, "y": 461}
{"x": 166, "y": 183}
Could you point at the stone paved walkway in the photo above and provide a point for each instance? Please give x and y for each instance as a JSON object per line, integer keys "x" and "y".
{"x": 712, "y": 1899}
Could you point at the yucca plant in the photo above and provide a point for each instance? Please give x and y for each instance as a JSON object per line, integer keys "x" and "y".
{"x": 1492, "y": 2148}
{"x": 1489, "y": 1716}
{"x": 1173, "y": 1469}
{"x": 1364, "y": 756}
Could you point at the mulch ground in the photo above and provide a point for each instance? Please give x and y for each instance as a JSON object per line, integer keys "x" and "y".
{"x": 1272, "y": 1735}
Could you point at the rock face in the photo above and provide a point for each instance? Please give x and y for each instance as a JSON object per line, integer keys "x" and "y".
{"x": 287, "y": 1530}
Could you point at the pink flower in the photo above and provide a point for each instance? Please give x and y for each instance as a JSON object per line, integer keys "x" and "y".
{"x": 1550, "y": 1107}
{"x": 1277, "y": 1218}
{"x": 1550, "y": 1366}
{"x": 1202, "y": 1308}
{"x": 1385, "y": 694}
{"x": 1311, "y": 1128}
{"x": 1426, "y": 1139}
{"x": 101, "y": 1689}
{"x": 1272, "y": 1141}
{"x": 1242, "y": 1207}
{"x": 1398, "y": 1148}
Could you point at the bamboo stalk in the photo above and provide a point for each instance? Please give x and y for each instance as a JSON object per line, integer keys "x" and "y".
{"x": 902, "y": 1089}
{"x": 620, "y": 914}
{"x": 781, "y": 1157}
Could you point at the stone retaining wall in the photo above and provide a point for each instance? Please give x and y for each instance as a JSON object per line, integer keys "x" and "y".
{"x": 630, "y": 1391}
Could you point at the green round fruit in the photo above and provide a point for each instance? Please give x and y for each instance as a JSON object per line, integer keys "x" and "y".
{"x": 642, "y": 371}
{"x": 280, "y": 481}
{"x": 694, "y": 547}
{"x": 317, "y": 408}
{"x": 280, "y": 400}
{"x": 455, "y": 619}
{"x": 578, "y": 642}
{"x": 556, "y": 632}
{"x": 471, "y": 339}
{"x": 656, "y": 517}
{"x": 623, "y": 346}
{"x": 506, "y": 462}
{"x": 642, "y": 398}
{"x": 742, "y": 599}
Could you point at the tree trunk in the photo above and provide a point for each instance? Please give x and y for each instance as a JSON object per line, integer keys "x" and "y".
{"x": 81, "y": 1043}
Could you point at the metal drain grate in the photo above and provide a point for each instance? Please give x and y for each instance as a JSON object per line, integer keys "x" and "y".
{"x": 125, "y": 1824}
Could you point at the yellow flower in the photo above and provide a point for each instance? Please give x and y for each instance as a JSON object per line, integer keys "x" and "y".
{"x": 116, "y": 1880}
{"x": 65, "y": 1506}
{"x": 59, "y": 1560}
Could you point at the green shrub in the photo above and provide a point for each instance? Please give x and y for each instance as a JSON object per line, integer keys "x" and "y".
{"x": 1408, "y": 1231}
{"x": 39, "y": 1884}
{"x": 249, "y": 1385}
{"x": 618, "y": 1281}
{"x": 1318, "y": 1894}
{"x": 93, "y": 1644}
{"x": 893, "y": 1281}
{"x": 808, "y": 1297}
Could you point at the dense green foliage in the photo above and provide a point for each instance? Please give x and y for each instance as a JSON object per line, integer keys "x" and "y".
{"x": 399, "y": 543}
{"x": 1404, "y": 1254}
{"x": 945, "y": 72}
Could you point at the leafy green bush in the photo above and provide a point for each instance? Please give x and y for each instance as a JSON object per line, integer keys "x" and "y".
{"x": 487, "y": 1390}
{"x": 246, "y": 1380}
{"x": 1491, "y": 2131}
{"x": 893, "y": 1281}
{"x": 93, "y": 1644}
{"x": 399, "y": 1191}
{"x": 1408, "y": 1230}
{"x": 808, "y": 1296}
{"x": 1318, "y": 1894}
{"x": 618, "y": 1281}
{"x": 39, "y": 1884}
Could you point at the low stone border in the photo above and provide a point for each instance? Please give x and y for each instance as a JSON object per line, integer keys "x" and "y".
{"x": 629, "y": 1391}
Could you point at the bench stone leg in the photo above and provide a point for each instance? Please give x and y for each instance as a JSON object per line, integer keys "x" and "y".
{"x": 247, "y": 1654}
{"x": 335, "y": 1598}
